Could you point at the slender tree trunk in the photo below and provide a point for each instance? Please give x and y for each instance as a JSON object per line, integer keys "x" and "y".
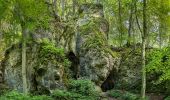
{"x": 120, "y": 23}
{"x": 160, "y": 35}
{"x": 74, "y": 6}
{"x": 161, "y": 27}
{"x": 24, "y": 76}
{"x": 136, "y": 17}
{"x": 130, "y": 24}
{"x": 62, "y": 7}
{"x": 143, "y": 51}
{"x": 55, "y": 7}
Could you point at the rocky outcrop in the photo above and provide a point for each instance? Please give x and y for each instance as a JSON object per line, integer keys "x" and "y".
{"x": 96, "y": 59}
{"x": 129, "y": 73}
{"x": 46, "y": 64}
{"x": 45, "y": 67}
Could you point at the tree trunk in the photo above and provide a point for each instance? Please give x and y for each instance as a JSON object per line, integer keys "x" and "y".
{"x": 63, "y": 8}
{"x": 97, "y": 1}
{"x": 55, "y": 7}
{"x": 24, "y": 76}
{"x": 130, "y": 24}
{"x": 74, "y": 6}
{"x": 143, "y": 51}
{"x": 120, "y": 22}
{"x": 161, "y": 26}
{"x": 160, "y": 35}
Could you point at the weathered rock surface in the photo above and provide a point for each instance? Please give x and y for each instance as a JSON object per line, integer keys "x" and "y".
{"x": 43, "y": 71}
{"x": 96, "y": 59}
{"x": 46, "y": 70}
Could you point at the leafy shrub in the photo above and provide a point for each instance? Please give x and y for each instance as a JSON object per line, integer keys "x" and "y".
{"x": 77, "y": 90}
{"x": 158, "y": 70}
{"x": 84, "y": 87}
{"x": 122, "y": 95}
{"x": 42, "y": 97}
{"x": 167, "y": 98}
{"x": 115, "y": 94}
{"x": 129, "y": 96}
{"x": 65, "y": 95}
{"x": 49, "y": 47}
{"x": 14, "y": 95}
{"x": 49, "y": 52}
{"x": 159, "y": 62}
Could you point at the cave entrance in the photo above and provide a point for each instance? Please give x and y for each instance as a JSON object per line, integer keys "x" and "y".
{"x": 109, "y": 83}
{"x": 74, "y": 64}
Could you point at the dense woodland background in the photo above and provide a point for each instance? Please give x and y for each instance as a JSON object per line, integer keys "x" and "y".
{"x": 93, "y": 49}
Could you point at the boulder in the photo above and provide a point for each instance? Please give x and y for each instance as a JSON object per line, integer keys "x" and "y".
{"x": 95, "y": 58}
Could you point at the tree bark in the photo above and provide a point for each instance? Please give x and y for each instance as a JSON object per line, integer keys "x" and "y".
{"x": 143, "y": 89}
{"x": 130, "y": 24}
{"x": 24, "y": 76}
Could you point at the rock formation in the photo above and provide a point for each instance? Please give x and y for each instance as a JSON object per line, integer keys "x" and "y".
{"x": 45, "y": 67}
{"x": 96, "y": 59}
{"x": 92, "y": 59}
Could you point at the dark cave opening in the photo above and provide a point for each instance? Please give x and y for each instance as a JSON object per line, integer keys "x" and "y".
{"x": 74, "y": 64}
{"x": 109, "y": 83}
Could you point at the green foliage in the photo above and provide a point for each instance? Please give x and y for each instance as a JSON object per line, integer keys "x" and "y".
{"x": 84, "y": 87}
{"x": 115, "y": 94}
{"x": 158, "y": 70}
{"x": 159, "y": 62}
{"x": 129, "y": 96}
{"x": 14, "y": 95}
{"x": 123, "y": 95}
{"x": 95, "y": 37}
{"x": 49, "y": 48}
{"x": 167, "y": 98}
{"x": 50, "y": 52}
{"x": 77, "y": 90}
{"x": 65, "y": 95}
{"x": 34, "y": 13}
